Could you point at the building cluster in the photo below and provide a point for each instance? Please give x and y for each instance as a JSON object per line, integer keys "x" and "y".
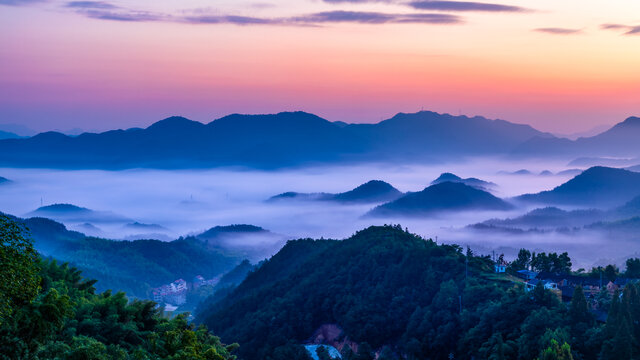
{"x": 176, "y": 292}
{"x": 564, "y": 285}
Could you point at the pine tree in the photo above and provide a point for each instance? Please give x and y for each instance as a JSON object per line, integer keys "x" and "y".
{"x": 578, "y": 309}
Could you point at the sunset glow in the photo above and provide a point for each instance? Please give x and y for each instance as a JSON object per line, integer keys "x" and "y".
{"x": 100, "y": 65}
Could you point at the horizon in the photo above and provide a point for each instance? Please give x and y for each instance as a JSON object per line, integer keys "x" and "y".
{"x": 22, "y": 130}
{"x": 534, "y": 62}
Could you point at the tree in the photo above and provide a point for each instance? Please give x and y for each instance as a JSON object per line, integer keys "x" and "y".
{"x": 323, "y": 353}
{"x": 633, "y": 268}
{"x": 557, "y": 352}
{"x": 365, "y": 352}
{"x": 563, "y": 264}
{"x": 578, "y": 309}
{"x": 523, "y": 260}
{"x": 611, "y": 272}
{"x": 19, "y": 280}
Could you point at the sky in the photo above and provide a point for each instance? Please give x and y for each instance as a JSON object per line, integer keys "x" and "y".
{"x": 561, "y": 66}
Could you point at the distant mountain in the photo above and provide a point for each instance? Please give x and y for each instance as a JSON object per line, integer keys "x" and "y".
{"x": 570, "y": 172}
{"x": 477, "y": 183}
{"x": 553, "y": 218}
{"x": 635, "y": 168}
{"x": 77, "y": 214}
{"x": 4, "y": 180}
{"x": 218, "y": 231}
{"x": 629, "y": 226}
{"x": 597, "y": 186}
{"x": 8, "y": 135}
{"x": 19, "y": 130}
{"x": 618, "y": 141}
{"x": 630, "y": 209}
{"x": 602, "y": 161}
{"x": 268, "y": 141}
{"x": 550, "y": 218}
{"x": 291, "y": 195}
{"x": 374, "y": 191}
{"x": 443, "y": 197}
{"x": 517, "y": 172}
{"x": 145, "y": 227}
{"x": 244, "y": 241}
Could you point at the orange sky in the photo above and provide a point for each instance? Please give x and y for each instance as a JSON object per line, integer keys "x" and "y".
{"x": 62, "y": 67}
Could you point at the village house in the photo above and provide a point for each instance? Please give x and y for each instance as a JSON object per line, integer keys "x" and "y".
{"x": 527, "y": 275}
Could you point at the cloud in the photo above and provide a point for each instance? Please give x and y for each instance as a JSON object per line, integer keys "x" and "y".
{"x": 90, "y": 5}
{"x": 355, "y": 1}
{"x": 93, "y": 10}
{"x": 628, "y": 29}
{"x": 376, "y": 18}
{"x": 20, "y": 2}
{"x": 231, "y": 19}
{"x": 126, "y": 16}
{"x": 442, "y": 5}
{"x": 558, "y": 31}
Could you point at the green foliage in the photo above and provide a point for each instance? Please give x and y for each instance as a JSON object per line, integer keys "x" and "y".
{"x": 19, "y": 281}
{"x": 66, "y": 319}
{"x": 382, "y": 286}
{"x": 522, "y": 262}
{"x": 611, "y": 272}
{"x": 633, "y": 268}
{"x": 557, "y": 352}
{"x": 560, "y": 264}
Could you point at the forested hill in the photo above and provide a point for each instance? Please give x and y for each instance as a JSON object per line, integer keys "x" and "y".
{"x": 387, "y": 294}
{"x": 373, "y": 285}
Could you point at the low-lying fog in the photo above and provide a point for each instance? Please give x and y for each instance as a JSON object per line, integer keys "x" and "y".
{"x": 187, "y": 202}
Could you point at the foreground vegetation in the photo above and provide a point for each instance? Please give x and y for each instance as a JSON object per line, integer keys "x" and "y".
{"x": 401, "y": 296}
{"x": 48, "y": 311}
{"x": 392, "y": 294}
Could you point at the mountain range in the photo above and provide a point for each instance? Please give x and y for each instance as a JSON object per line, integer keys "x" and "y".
{"x": 299, "y": 138}
{"x": 267, "y": 141}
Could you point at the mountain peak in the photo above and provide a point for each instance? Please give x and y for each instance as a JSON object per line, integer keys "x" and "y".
{"x": 62, "y": 208}
{"x": 231, "y": 229}
{"x": 631, "y": 121}
{"x": 173, "y": 122}
{"x": 446, "y": 177}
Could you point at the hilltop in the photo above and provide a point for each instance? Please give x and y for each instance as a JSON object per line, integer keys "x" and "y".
{"x": 374, "y": 191}
{"x": 477, "y": 183}
{"x": 442, "y": 197}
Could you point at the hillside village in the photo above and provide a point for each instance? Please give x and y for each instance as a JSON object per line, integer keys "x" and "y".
{"x": 597, "y": 290}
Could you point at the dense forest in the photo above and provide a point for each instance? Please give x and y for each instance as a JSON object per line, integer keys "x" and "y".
{"x": 388, "y": 293}
{"x": 395, "y": 295}
{"x": 49, "y": 311}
